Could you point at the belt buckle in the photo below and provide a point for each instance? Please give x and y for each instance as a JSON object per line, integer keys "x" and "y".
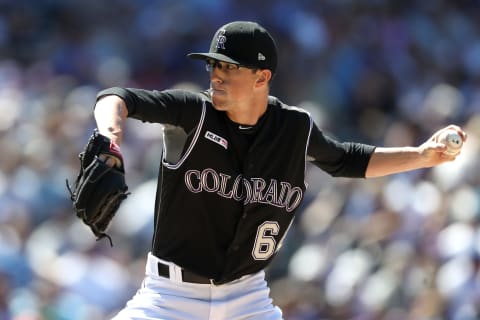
{"x": 217, "y": 283}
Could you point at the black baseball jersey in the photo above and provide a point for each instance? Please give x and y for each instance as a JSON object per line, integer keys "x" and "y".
{"x": 227, "y": 198}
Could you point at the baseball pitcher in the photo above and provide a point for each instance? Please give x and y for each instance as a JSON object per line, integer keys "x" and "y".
{"x": 231, "y": 178}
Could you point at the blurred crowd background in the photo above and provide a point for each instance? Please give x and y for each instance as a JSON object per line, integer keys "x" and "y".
{"x": 383, "y": 72}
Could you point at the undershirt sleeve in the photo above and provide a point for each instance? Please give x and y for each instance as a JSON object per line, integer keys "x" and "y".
{"x": 175, "y": 107}
{"x": 339, "y": 159}
{"x": 177, "y": 110}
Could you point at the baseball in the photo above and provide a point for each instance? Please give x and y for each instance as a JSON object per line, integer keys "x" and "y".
{"x": 453, "y": 140}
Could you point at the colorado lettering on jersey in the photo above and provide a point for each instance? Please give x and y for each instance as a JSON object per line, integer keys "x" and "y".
{"x": 254, "y": 190}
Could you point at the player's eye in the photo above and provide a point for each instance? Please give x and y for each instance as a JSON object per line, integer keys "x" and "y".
{"x": 231, "y": 66}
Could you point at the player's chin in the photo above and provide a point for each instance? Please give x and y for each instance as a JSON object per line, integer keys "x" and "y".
{"x": 219, "y": 108}
{"x": 218, "y": 104}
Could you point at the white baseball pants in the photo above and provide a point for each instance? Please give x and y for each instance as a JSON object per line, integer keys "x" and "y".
{"x": 172, "y": 299}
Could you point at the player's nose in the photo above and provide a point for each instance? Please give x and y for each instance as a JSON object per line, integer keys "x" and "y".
{"x": 215, "y": 76}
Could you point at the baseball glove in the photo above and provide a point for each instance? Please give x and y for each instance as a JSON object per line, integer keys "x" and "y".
{"x": 99, "y": 188}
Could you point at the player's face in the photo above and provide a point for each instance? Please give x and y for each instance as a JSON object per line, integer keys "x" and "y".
{"x": 231, "y": 85}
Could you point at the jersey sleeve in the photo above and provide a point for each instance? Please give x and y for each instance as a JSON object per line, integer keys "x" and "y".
{"x": 339, "y": 159}
{"x": 176, "y": 107}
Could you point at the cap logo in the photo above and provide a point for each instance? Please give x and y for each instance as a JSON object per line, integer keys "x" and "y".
{"x": 261, "y": 57}
{"x": 221, "y": 39}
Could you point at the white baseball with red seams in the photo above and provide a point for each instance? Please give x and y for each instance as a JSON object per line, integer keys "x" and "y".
{"x": 452, "y": 140}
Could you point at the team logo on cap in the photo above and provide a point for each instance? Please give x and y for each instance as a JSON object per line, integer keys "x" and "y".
{"x": 221, "y": 39}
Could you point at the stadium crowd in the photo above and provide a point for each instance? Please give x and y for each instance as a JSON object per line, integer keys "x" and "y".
{"x": 383, "y": 72}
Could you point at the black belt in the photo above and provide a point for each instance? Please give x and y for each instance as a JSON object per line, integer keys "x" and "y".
{"x": 187, "y": 276}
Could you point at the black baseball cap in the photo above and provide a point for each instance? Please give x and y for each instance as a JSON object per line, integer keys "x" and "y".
{"x": 242, "y": 42}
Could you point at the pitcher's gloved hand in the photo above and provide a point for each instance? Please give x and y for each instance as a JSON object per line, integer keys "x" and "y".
{"x": 100, "y": 186}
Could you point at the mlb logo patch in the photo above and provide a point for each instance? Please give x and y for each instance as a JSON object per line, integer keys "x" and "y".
{"x": 217, "y": 139}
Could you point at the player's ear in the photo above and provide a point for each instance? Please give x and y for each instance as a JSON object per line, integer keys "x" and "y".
{"x": 264, "y": 76}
